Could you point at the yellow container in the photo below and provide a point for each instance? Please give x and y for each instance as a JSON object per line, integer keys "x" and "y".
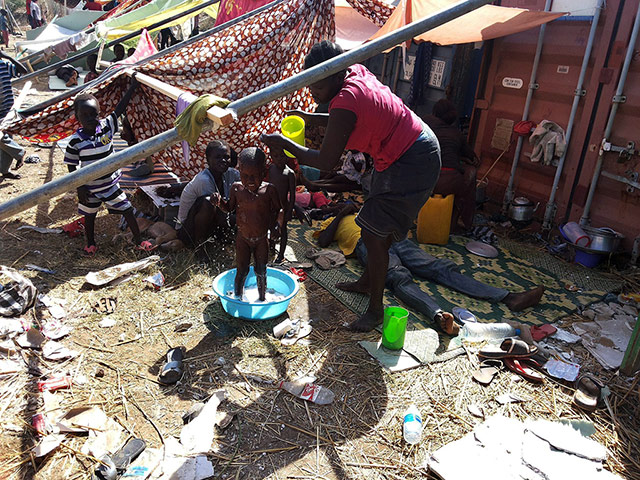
{"x": 292, "y": 127}
{"x": 434, "y": 220}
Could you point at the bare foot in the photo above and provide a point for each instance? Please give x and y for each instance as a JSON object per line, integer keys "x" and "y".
{"x": 357, "y": 287}
{"x": 447, "y": 323}
{"x": 367, "y": 322}
{"x": 519, "y": 301}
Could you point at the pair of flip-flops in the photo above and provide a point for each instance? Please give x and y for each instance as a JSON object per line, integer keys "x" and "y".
{"x": 524, "y": 367}
{"x": 173, "y": 369}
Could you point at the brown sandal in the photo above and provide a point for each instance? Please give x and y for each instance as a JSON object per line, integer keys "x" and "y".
{"x": 509, "y": 348}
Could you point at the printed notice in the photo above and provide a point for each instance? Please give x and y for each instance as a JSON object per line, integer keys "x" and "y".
{"x": 510, "y": 82}
{"x": 436, "y": 75}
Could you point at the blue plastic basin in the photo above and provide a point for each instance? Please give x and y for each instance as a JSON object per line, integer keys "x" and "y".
{"x": 282, "y": 282}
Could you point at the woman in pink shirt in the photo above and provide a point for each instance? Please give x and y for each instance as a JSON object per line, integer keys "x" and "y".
{"x": 365, "y": 115}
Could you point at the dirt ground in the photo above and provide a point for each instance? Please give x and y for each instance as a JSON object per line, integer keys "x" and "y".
{"x": 272, "y": 435}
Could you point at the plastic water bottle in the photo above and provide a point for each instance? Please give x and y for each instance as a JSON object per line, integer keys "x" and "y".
{"x": 305, "y": 389}
{"x": 412, "y": 425}
{"x": 477, "y": 332}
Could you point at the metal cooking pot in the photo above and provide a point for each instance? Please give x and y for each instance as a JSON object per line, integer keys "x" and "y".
{"x": 521, "y": 209}
{"x": 603, "y": 239}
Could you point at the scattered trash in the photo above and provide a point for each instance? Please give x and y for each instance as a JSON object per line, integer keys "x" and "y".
{"x": 53, "y": 350}
{"x": 75, "y": 228}
{"x": 107, "y": 322}
{"x": 182, "y": 327}
{"x": 509, "y": 398}
{"x": 113, "y": 466}
{"x": 8, "y": 367}
{"x": 475, "y": 410}
{"x": 220, "y": 361}
{"x": 36, "y": 268}
{"x": 10, "y": 327}
{"x": 506, "y": 448}
{"x": 40, "y": 229}
{"x": 172, "y": 370}
{"x": 106, "y": 305}
{"x": 565, "y": 370}
{"x": 108, "y": 275}
{"x": 412, "y": 425}
{"x": 588, "y": 393}
{"x": 197, "y": 435}
{"x": 486, "y": 371}
{"x": 391, "y": 360}
{"x": 54, "y": 306}
{"x": 282, "y": 328}
{"x": 542, "y": 331}
{"x": 156, "y": 280}
{"x": 55, "y": 383}
{"x": 306, "y": 390}
{"x": 299, "y": 329}
{"x": 565, "y": 336}
{"x": 32, "y": 338}
{"x": 54, "y": 329}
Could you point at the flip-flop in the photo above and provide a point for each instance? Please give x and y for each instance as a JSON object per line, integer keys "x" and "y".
{"x": 509, "y": 348}
{"x": 172, "y": 370}
{"x": 90, "y": 250}
{"x": 106, "y": 305}
{"x": 522, "y": 368}
{"x": 540, "y": 332}
{"x": 486, "y": 371}
{"x": 146, "y": 246}
{"x": 588, "y": 392}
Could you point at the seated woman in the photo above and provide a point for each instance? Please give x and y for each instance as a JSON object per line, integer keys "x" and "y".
{"x": 459, "y": 162}
{"x": 198, "y": 218}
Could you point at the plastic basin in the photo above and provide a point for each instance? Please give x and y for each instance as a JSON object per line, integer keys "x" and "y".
{"x": 279, "y": 280}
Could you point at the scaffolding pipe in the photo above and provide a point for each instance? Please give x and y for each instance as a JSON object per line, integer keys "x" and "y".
{"x": 621, "y": 179}
{"x": 615, "y": 103}
{"x": 166, "y": 51}
{"x": 508, "y": 194}
{"x": 86, "y": 53}
{"x": 240, "y": 107}
{"x": 551, "y": 209}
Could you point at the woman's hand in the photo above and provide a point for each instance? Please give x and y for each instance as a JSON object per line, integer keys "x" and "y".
{"x": 215, "y": 199}
{"x": 275, "y": 142}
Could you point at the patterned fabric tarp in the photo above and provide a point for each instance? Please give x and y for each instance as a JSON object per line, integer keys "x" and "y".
{"x": 508, "y": 270}
{"x": 244, "y": 58}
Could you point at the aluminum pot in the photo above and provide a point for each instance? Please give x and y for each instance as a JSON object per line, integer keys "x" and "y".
{"x": 603, "y": 239}
{"x": 521, "y": 209}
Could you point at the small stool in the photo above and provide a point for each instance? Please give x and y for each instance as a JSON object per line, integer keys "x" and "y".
{"x": 434, "y": 220}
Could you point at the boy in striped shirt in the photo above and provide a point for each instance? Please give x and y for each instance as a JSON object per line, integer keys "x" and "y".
{"x": 89, "y": 144}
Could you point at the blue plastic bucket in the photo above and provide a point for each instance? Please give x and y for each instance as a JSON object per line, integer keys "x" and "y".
{"x": 282, "y": 282}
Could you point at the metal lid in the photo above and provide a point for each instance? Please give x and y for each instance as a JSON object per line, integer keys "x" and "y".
{"x": 522, "y": 201}
{"x": 482, "y": 249}
{"x": 463, "y": 315}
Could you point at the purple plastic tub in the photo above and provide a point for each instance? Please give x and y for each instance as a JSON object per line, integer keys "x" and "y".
{"x": 583, "y": 256}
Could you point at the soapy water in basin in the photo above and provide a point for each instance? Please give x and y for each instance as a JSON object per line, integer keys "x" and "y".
{"x": 251, "y": 295}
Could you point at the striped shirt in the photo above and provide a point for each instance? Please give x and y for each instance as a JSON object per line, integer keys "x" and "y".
{"x": 7, "y": 72}
{"x": 84, "y": 149}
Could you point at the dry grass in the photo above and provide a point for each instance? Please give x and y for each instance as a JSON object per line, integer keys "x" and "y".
{"x": 273, "y": 435}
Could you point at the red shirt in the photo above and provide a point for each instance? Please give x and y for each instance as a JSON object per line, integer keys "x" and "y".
{"x": 385, "y": 127}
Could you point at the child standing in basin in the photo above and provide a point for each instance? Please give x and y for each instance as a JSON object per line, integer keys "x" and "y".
{"x": 257, "y": 205}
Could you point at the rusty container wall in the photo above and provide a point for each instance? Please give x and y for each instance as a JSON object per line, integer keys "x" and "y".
{"x": 615, "y": 204}
{"x": 501, "y": 97}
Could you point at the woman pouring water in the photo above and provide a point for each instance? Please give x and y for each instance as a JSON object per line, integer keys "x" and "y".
{"x": 364, "y": 115}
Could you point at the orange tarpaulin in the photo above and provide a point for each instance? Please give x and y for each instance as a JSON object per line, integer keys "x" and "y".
{"x": 485, "y": 23}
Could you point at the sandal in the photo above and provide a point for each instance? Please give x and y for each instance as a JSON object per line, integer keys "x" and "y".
{"x": 90, "y": 250}
{"x": 172, "y": 370}
{"x": 509, "y": 348}
{"x": 146, "y": 246}
{"x": 523, "y": 368}
{"x": 588, "y": 392}
{"x": 486, "y": 371}
{"x": 106, "y": 305}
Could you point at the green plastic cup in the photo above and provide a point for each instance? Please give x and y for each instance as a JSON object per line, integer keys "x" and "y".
{"x": 394, "y": 327}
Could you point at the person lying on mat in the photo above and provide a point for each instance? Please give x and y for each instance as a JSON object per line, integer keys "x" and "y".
{"x": 407, "y": 259}
{"x": 367, "y": 116}
{"x": 198, "y": 219}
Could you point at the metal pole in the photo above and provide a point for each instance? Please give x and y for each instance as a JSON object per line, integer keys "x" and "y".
{"x": 508, "y": 194}
{"x": 82, "y": 55}
{"x": 616, "y": 101}
{"x": 166, "y": 51}
{"x": 240, "y": 107}
{"x": 551, "y": 209}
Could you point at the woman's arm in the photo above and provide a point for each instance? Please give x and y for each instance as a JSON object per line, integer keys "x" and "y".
{"x": 341, "y": 124}
{"x": 311, "y": 119}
